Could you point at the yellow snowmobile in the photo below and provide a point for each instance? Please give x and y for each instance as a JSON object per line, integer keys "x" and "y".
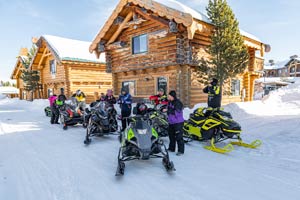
{"x": 215, "y": 125}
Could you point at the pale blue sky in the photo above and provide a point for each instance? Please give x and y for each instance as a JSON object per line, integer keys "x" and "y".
{"x": 275, "y": 22}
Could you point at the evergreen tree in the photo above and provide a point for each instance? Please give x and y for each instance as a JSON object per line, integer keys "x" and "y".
{"x": 228, "y": 54}
{"x": 30, "y": 77}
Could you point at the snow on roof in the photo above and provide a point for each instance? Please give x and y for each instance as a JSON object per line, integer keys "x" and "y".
{"x": 279, "y": 80}
{"x": 277, "y": 65}
{"x": 72, "y": 50}
{"x": 9, "y": 90}
{"x": 197, "y": 14}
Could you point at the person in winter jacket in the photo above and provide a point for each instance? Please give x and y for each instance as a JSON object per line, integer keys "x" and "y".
{"x": 160, "y": 98}
{"x": 62, "y": 97}
{"x": 109, "y": 98}
{"x": 54, "y": 109}
{"x": 125, "y": 101}
{"x": 214, "y": 94}
{"x": 80, "y": 96}
{"x": 176, "y": 120}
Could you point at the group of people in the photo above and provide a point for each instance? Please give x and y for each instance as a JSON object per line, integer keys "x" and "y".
{"x": 173, "y": 108}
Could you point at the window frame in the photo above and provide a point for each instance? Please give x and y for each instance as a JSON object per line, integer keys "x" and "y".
{"x": 134, "y": 87}
{"x": 234, "y": 90}
{"x": 55, "y": 67}
{"x": 147, "y": 44}
{"x": 157, "y": 83}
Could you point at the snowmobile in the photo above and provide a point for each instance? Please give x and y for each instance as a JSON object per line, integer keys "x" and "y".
{"x": 48, "y": 111}
{"x": 159, "y": 121}
{"x": 102, "y": 121}
{"x": 140, "y": 141}
{"x": 70, "y": 113}
{"x": 215, "y": 125}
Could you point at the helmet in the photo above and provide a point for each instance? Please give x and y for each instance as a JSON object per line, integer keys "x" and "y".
{"x": 142, "y": 108}
{"x": 78, "y": 92}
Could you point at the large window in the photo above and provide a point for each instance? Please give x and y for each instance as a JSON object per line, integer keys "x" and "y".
{"x": 130, "y": 87}
{"x": 140, "y": 44}
{"x": 162, "y": 83}
{"x": 50, "y": 92}
{"x": 52, "y": 67}
{"x": 235, "y": 87}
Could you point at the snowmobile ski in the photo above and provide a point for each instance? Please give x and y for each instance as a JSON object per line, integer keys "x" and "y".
{"x": 252, "y": 145}
{"x": 226, "y": 149}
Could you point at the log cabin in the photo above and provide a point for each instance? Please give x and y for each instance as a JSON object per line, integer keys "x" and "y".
{"x": 66, "y": 63}
{"x": 16, "y": 74}
{"x": 286, "y": 68}
{"x": 153, "y": 44}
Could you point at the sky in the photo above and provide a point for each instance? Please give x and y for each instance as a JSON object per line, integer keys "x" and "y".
{"x": 275, "y": 22}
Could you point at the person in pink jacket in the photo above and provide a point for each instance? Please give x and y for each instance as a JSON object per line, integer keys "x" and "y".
{"x": 54, "y": 109}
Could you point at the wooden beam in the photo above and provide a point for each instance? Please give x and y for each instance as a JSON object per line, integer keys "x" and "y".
{"x": 121, "y": 27}
{"x": 151, "y": 17}
{"x": 42, "y": 58}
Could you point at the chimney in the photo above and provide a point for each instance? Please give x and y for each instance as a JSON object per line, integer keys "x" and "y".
{"x": 23, "y": 52}
{"x": 34, "y": 40}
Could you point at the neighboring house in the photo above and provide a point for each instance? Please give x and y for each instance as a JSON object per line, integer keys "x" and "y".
{"x": 17, "y": 72}
{"x": 10, "y": 92}
{"x": 66, "y": 63}
{"x": 286, "y": 68}
{"x": 154, "y": 44}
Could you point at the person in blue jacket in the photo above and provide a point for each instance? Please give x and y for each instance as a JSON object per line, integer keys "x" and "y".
{"x": 125, "y": 101}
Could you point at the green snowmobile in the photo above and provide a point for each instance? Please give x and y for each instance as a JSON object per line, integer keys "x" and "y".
{"x": 215, "y": 125}
{"x": 140, "y": 141}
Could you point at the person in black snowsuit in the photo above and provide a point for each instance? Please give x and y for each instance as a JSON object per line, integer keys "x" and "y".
{"x": 214, "y": 94}
{"x": 62, "y": 97}
{"x": 176, "y": 120}
{"x": 125, "y": 101}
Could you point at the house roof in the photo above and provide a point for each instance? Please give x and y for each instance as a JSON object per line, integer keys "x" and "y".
{"x": 170, "y": 9}
{"x": 70, "y": 50}
{"x": 280, "y": 64}
{"x": 21, "y": 60}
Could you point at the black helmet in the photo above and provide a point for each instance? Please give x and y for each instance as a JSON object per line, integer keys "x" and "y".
{"x": 214, "y": 81}
{"x": 141, "y": 108}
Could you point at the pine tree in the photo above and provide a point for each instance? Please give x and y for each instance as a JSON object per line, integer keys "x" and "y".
{"x": 31, "y": 78}
{"x": 229, "y": 55}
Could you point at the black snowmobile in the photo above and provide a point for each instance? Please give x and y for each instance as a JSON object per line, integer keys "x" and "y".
{"x": 140, "y": 141}
{"x": 70, "y": 114}
{"x": 159, "y": 121}
{"x": 215, "y": 125}
{"x": 102, "y": 121}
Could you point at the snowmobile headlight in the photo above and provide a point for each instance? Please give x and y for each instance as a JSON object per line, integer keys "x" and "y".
{"x": 142, "y": 131}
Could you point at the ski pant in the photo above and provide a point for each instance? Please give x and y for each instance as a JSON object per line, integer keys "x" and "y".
{"x": 125, "y": 114}
{"x": 176, "y": 135}
{"x": 54, "y": 114}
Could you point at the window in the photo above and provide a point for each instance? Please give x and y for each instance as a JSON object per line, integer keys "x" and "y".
{"x": 50, "y": 92}
{"x": 130, "y": 87}
{"x": 52, "y": 67}
{"x": 235, "y": 87}
{"x": 162, "y": 82}
{"x": 292, "y": 70}
{"x": 140, "y": 44}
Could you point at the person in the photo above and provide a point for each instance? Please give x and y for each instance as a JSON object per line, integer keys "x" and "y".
{"x": 54, "y": 109}
{"x": 109, "y": 98}
{"x": 125, "y": 101}
{"x": 160, "y": 98}
{"x": 80, "y": 97}
{"x": 214, "y": 94}
{"x": 176, "y": 120}
{"x": 62, "y": 97}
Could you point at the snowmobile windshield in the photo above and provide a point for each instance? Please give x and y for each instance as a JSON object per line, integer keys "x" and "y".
{"x": 143, "y": 134}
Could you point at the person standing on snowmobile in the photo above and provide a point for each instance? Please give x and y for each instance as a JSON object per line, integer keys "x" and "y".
{"x": 80, "y": 97}
{"x": 125, "y": 101}
{"x": 176, "y": 120}
{"x": 214, "y": 94}
{"x": 54, "y": 109}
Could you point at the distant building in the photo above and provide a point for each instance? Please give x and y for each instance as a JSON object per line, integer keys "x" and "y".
{"x": 286, "y": 68}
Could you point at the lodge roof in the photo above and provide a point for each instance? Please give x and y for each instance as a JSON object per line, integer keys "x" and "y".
{"x": 70, "y": 50}
{"x": 22, "y": 60}
{"x": 170, "y": 9}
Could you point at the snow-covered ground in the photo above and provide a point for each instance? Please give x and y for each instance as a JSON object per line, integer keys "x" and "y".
{"x": 41, "y": 161}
